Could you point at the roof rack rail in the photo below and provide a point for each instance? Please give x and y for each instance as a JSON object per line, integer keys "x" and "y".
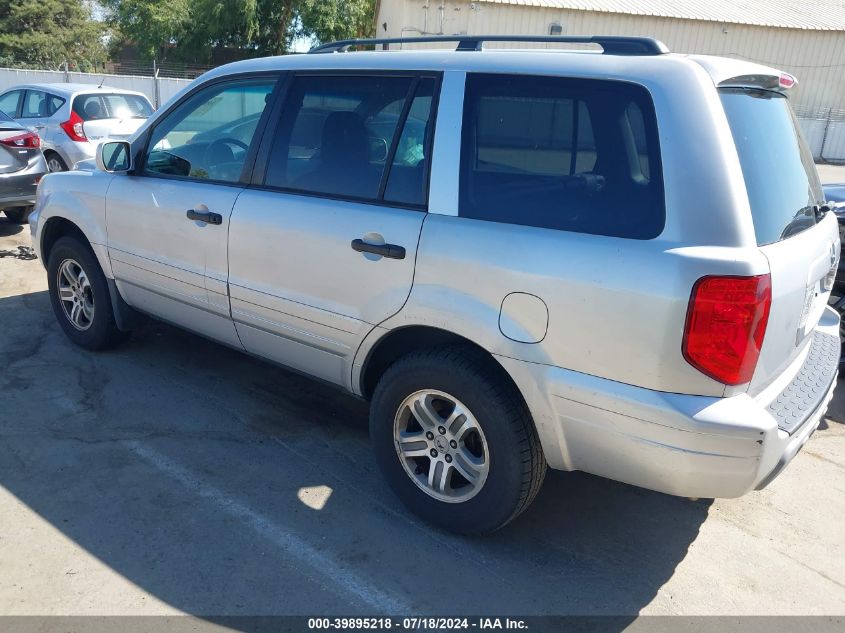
{"x": 611, "y": 44}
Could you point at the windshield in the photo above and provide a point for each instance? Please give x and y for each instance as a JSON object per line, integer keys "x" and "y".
{"x": 111, "y": 106}
{"x": 5, "y": 118}
{"x": 780, "y": 176}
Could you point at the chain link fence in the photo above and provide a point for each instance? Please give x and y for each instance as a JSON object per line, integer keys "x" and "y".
{"x": 171, "y": 70}
{"x": 824, "y": 129}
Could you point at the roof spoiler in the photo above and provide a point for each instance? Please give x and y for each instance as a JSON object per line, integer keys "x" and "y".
{"x": 610, "y": 44}
{"x": 779, "y": 83}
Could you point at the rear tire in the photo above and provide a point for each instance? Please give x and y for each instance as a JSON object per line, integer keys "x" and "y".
{"x": 79, "y": 294}
{"x": 17, "y": 215}
{"x": 55, "y": 162}
{"x": 419, "y": 409}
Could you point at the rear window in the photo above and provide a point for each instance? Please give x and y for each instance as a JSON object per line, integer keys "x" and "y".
{"x": 111, "y": 106}
{"x": 781, "y": 179}
{"x": 568, "y": 154}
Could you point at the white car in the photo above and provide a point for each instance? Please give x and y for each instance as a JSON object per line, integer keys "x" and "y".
{"x": 72, "y": 119}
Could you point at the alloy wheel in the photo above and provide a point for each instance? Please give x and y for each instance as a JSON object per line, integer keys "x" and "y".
{"x": 76, "y": 294}
{"x": 441, "y": 446}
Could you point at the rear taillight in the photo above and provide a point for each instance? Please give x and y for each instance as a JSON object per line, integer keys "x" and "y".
{"x": 726, "y": 323}
{"x": 28, "y": 140}
{"x": 73, "y": 128}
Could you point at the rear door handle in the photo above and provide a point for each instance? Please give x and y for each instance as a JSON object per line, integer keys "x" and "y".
{"x": 385, "y": 250}
{"x": 205, "y": 216}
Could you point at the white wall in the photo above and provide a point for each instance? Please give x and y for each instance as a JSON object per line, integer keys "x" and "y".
{"x": 167, "y": 88}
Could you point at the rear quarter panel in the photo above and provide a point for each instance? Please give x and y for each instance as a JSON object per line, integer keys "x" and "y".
{"x": 616, "y": 307}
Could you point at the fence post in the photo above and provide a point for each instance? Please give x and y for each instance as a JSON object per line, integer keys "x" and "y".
{"x": 66, "y": 75}
{"x": 824, "y": 136}
{"x": 156, "y": 88}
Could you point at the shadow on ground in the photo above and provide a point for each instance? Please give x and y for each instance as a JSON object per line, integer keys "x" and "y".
{"x": 221, "y": 485}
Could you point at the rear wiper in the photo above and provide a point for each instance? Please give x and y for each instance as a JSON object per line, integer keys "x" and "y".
{"x": 821, "y": 210}
{"x": 803, "y": 219}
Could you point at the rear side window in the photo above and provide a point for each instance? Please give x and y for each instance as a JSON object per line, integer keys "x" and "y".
{"x": 38, "y": 105}
{"x": 780, "y": 177}
{"x": 568, "y": 154}
{"x": 111, "y": 106}
{"x": 357, "y": 137}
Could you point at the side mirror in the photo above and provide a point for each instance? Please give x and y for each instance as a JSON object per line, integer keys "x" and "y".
{"x": 114, "y": 156}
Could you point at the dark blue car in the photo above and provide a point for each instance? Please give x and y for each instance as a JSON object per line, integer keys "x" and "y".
{"x": 835, "y": 194}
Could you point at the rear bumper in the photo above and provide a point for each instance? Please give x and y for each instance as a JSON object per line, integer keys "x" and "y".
{"x": 692, "y": 446}
{"x": 19, "y": 189}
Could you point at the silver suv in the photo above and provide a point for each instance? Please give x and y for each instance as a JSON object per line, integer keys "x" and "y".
{"x": 617, "y": 263}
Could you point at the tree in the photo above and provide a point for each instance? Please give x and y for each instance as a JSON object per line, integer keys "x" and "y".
{"x": 47, "y": 33}
{"x": 187, "y": 30}
{"x": 327, "y": 20}
{"x": 155, "y": 28}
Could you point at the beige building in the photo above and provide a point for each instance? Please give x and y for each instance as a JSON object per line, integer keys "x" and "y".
{"x": 803, "y": 37}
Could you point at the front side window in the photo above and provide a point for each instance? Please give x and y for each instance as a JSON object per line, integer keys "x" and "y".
{"x": 207, "y": 137}
{"x": 568, "y": 154}
{"x": 359, "y": 137}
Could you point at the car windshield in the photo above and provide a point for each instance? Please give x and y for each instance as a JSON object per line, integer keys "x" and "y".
{"x": 783, "y": 188}
{"x": 90, "y": 107}
{"x": 5, "y": 118}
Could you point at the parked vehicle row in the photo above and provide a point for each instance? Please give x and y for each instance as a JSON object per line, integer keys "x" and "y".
{"x": 72, "y": 119}
{"x": 835, "y": 195}
{"x": 55, "y": 126}
{"x": 22, "y": 166}
{"x": 617, "y": 263}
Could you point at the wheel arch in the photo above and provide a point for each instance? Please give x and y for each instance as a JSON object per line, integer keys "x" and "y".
{"x": 55, "y": 150}
{"x": 395, "y": 343}
{"x": 58, "y": 227}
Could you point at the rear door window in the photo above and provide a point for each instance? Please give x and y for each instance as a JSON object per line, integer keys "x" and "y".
{"x": 353, "y": 136}
{"x": 92, "y": 107}
{"x": 780, "y": 176}
{"x": 35, "y": 105}
{"x": 568, "y": 154}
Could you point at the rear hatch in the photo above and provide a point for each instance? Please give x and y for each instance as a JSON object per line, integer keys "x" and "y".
{"x": 18, "y": 147}
{"x": 794, "y": 231}
{"x": 111, "y": 115}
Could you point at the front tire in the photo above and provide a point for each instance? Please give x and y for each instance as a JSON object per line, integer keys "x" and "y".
{"x": 17, "y": 215}
{"x": 455, "y": 441}
{"x": 80, "y": 296}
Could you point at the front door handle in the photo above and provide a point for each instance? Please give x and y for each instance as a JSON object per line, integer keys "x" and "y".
{"x": 205, "y": 216}
{"x": 385, "y": 250}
